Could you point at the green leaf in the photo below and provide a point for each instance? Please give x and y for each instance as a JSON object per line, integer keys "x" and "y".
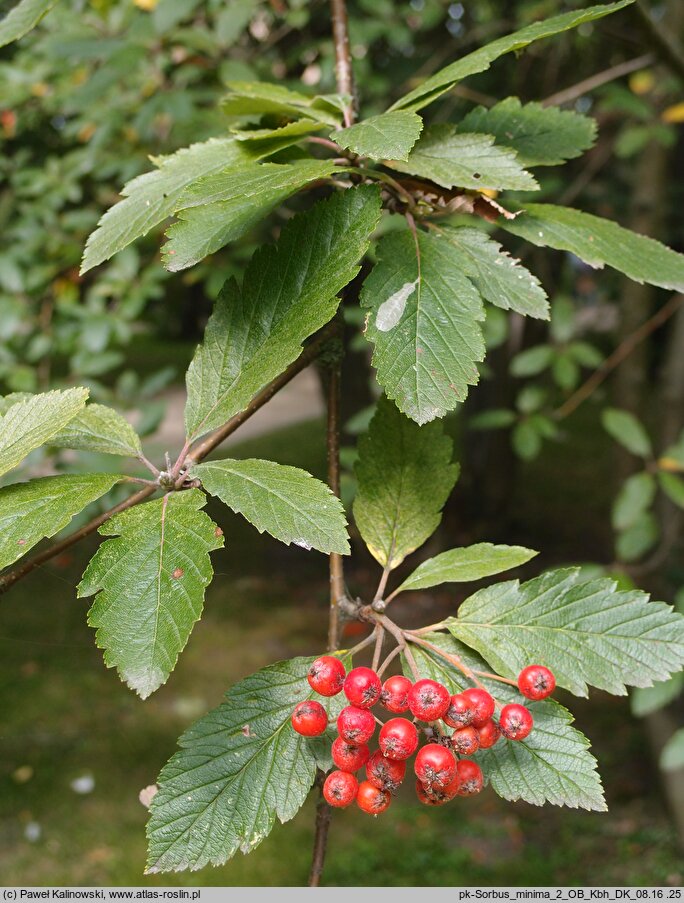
{"x": 585, "y": 354}
{"x": 289, "y": 292}
{"x": 552, "y": 765}
{"x": 272, "y": 139}
{"x": 673, "y": 487}
{"x": 599, "y": 242}
{"x": 526, "y": 440}
{"x": 461, "y": 565}
{"x": 587, "y": 632}
{"x": 284, "y": 501}
{"x": 645, "y": 700}
{"x": 40, "y": 508}
{"x": 452, "y": 159}
{"x": 499, "y": 278}
{"x": 22, "y": 18}
{"x": 220, "y": 208}
{"x": 626, "y": 429}
{"x": 424, "y": 320}
{"x": 540, "y": 136}
{"x": 98, "y": 428}
{"x": 480, "y": 60}
{"x": 638, "y": 538}
{"x": 494, "y": 419}
{"x": 404, "y": 475}
{"x": 238, "y": 769}
{"x": 254, "y": 99}
{"x": 532, "y": 361}
{"x": 150, "y": 584}
{"x": 672, "y": 755}
{"x": 389, "y": 136}
{"x": 635, "y": 496}
{"x": 152, "y": 197}
{"x": 31, "y": 423}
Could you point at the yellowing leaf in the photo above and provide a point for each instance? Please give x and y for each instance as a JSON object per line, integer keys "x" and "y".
{"x": 673, "y": 114}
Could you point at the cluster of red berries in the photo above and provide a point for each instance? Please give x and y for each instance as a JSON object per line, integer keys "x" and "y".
{"x": 441, "y": 772}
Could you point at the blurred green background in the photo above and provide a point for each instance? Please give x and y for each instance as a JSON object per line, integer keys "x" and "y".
{"x": 84, "y": 101}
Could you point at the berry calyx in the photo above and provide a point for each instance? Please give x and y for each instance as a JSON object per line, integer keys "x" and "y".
{"x": 428, "y": 700}
{"x": 362, "y": 687}
{"x": 466, "y": 740}
{"x": 482, "y": 703}
{"x": 488, "y": 734}
{"x": 536, "y": 682}
{"x": 471, "y": 778}
{"x": 398, "y": 738}
{"x": 349, "y": 757}
{"x": 355, "y": 725}
{"x": 309, "y": 718}
{"x": 340, "y": 789}
{"x": 384, "y": 773}
{"x": 395, "y": 692}
{"x": 515, "y": 721}
{"x": 372, "y": 800}
{"x": 460, "y": 712}
{"x": 435, "y": 766}
{"x": 326, "y": 675}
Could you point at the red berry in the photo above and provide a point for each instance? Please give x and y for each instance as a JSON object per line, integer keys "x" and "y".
{"x": 488, "y": 734}
{"x": 326, "y": 675}
{"x": 435, "y": 766}
{"x": 465, "y": 741}
{"x": 372, "y": 800}
{"x": 470, "y": 776}
{"x": 362, "y": 687}
{"x": 340, "y": 789}
{"x": 384, "y": 773}
{"x": 460, "y": 712}
{"x": 309, "y": 718}
{"x": 429, "y": 797}
{"x": 515, "y": 721}
{"x": 355, "y": 725}
{"x": 349, "y": 757}
{"x": 398, "y": 738}
{"x": 395, "y": 692}
{"x": 483, "y": 705}
{"x": 428, "y": 700}
{"x": 536, "y": 682}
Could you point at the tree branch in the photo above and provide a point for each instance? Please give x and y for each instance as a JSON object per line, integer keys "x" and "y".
{"x": 343, "y": 60}
{"x": 204, "y": 448}
{"x": 621, "y": 352}
{"x": 567, "y": 95}
{"x": 11, "y": 577}
{"x": 345, "y": 85}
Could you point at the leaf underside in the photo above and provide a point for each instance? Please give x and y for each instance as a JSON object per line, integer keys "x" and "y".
{"x": 404, "y": 475}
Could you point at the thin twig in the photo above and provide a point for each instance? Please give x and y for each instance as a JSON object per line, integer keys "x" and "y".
{"x": 362, "y": 645}
{"x": 325, "y": 142}
{"x": 390, "y": 658}
{"x": 337, "y": 591}
{"x": 401, "y": 636}
{"x": 567, "y": 95}
{"x": 148, "y": 464}
{"x": 380, "y": 639}
{"x": 343, "y": 58}
{"x": 623, "y": 350}
{"x": 452, "y": 659}
{"x": 382, "y": 585}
